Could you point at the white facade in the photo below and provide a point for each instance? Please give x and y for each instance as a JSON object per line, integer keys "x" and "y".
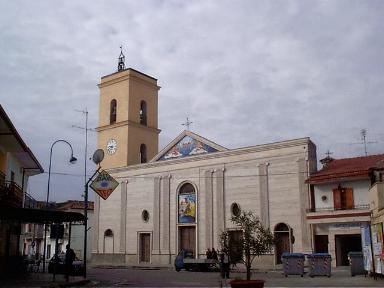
{"x": 266, "y": 179}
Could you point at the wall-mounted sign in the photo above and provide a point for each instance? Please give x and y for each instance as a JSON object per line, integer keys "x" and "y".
{"x": 104, "y": 184}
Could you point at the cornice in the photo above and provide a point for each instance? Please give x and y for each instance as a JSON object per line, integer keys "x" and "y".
{"x": 107, "y": 82}
{"x": 215, "y": 155}
{"x": 127, "y": 123}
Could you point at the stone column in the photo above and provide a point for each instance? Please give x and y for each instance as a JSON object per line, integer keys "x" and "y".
{"x": 303, "y": 194}
{"x": 264, "y": 194}
{"x": 165, "y": 248}
{"x": 208, "y": 209}
{"x": 220, "y": 207}
{"x": 156, "y": 216}
{"x": 123, "y": 219}
{"x": 95, "y": 235}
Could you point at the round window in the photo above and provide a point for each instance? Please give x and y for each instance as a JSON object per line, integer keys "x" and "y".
{"x": 235, "y": 209}
{"x": 145, "y": 215}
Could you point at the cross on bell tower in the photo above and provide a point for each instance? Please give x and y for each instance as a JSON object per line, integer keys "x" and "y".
{"x": 121, "y": 63}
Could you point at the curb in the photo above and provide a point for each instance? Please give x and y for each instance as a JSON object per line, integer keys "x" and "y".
{"x": 70, "y": 284}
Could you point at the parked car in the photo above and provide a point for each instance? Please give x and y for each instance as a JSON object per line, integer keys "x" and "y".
{"x": 77, "y": 266}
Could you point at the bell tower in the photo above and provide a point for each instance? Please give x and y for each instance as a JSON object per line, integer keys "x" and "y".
{"x": 128, "y": 117}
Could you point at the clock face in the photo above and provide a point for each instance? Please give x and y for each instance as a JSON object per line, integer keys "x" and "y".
{"x": 111, "y": 146}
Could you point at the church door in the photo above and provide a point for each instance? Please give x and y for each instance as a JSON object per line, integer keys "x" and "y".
{"x": 282, "y": 241}
{"x": 145, "y": 247}
{"x": 187, "y": 238}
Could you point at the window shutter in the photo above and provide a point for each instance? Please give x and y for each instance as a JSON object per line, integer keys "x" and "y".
{"x": 336, "y": 199}
{"x": 349, "y": 196}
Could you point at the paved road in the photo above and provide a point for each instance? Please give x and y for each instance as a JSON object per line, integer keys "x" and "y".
{"x": 139, "y": 277}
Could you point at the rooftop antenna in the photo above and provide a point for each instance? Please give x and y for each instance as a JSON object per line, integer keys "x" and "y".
{"x": 187, "y": 123}
{"x": 121, "y": 63}
{"x": 363, "y": 133}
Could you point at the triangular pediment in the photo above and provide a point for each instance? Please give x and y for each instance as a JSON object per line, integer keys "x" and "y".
{"x": 185, "y": 145}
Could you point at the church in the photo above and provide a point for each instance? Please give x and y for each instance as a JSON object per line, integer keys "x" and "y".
{"x": 183, "y": 196}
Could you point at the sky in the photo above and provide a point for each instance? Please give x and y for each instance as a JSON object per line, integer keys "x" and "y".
{"x": 244, "y": 72}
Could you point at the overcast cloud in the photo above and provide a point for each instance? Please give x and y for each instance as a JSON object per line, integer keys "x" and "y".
{"x": 245, "y": 72}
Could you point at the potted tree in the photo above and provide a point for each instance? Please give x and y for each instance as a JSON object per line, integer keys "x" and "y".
{"x": 254, "y": 241}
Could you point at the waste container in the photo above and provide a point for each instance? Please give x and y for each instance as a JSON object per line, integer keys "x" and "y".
{"x": 319, "y": 264}
{"x": 293, "y": 264}
{"x": 356, "y": 261}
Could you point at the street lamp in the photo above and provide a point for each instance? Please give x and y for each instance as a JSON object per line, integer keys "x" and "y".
{"x": 72, "y": 160}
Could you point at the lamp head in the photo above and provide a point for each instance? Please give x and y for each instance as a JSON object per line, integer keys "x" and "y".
{"x": 73, "y": 160}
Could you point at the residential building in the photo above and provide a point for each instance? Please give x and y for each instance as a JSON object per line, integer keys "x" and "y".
{"x": 17, "y": 164}
{"x": 339, "y": 194}
{"x": 33, "y": 236}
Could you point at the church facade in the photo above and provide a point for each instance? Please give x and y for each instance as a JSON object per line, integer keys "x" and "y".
{"x": 183, "y": 196}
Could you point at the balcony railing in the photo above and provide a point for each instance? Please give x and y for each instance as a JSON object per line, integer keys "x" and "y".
{"x": 11, "y": 195}
{"x": 331, "y": 209}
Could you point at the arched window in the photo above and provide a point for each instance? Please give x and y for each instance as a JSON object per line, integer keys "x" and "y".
{"x": 113, "y": 109}
{"x": 187, "y": 204}
{"x": 143, "y": 113}
{"x": 187, "y": 188}
{"x": 143, "y": 153}
{"x": 108, "y": 233}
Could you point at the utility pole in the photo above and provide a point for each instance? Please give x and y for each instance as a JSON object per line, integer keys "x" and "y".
{"x": 85, "y": 112}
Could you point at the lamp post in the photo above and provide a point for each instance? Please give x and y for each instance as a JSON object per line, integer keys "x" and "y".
{"x": 71, "y": 160}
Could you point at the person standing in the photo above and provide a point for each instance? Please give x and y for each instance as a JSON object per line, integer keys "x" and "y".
{"x": 69, "y": 258}
{"x": 225, "y": 265}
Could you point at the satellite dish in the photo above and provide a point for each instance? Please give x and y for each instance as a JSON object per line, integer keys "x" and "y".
{"x": 98, "y": 156}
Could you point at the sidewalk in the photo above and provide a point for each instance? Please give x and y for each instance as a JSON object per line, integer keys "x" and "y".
{"x": 40, "y": 279}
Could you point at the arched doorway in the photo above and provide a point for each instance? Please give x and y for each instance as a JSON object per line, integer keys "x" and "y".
{"x": 282, "y": 240}
{"x": 187, "y": 217}
{"x": 108, "y": 241}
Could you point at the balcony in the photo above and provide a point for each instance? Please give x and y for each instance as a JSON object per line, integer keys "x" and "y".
{"x": 11, "y": 194}
{"x": 357, "y": 213}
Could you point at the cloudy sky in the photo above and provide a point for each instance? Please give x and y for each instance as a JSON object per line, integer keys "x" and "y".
{"x": 245, "y": 72}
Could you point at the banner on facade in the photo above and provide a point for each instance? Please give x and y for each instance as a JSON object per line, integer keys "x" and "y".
{"x": 366, "y": 247}
{"x": 187, "y": 208}
{"x": 104, "y": 184}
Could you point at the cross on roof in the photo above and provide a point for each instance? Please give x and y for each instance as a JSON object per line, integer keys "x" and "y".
{"x": 187, "y": 123}
{"x": 328, "y": 153}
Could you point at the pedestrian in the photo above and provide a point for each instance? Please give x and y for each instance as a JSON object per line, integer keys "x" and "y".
{"x": 224, "y": 265}
{"x": 69, "y": 258}
{"x": 208, "y": 253}
{"x": 214, "y": 254}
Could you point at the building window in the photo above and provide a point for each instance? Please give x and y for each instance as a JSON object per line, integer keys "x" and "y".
{"x": 143, "y": 113}
{"x": 187, "y": 188}
{"x": 343, "y": 198}
{"x": 113, "y": 110}
{"x": 145, "y": 215}
{"x": 235, "y": 209}
{"x": 143, "y": 153}
{"x": 49, "y": 251}
{"x": 108, "y": 233}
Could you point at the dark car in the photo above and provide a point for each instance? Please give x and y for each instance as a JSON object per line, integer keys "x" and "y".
{"x": 77, "y": 266}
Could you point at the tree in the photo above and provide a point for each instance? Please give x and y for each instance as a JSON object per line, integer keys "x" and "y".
{"x": 254, "y": 241}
